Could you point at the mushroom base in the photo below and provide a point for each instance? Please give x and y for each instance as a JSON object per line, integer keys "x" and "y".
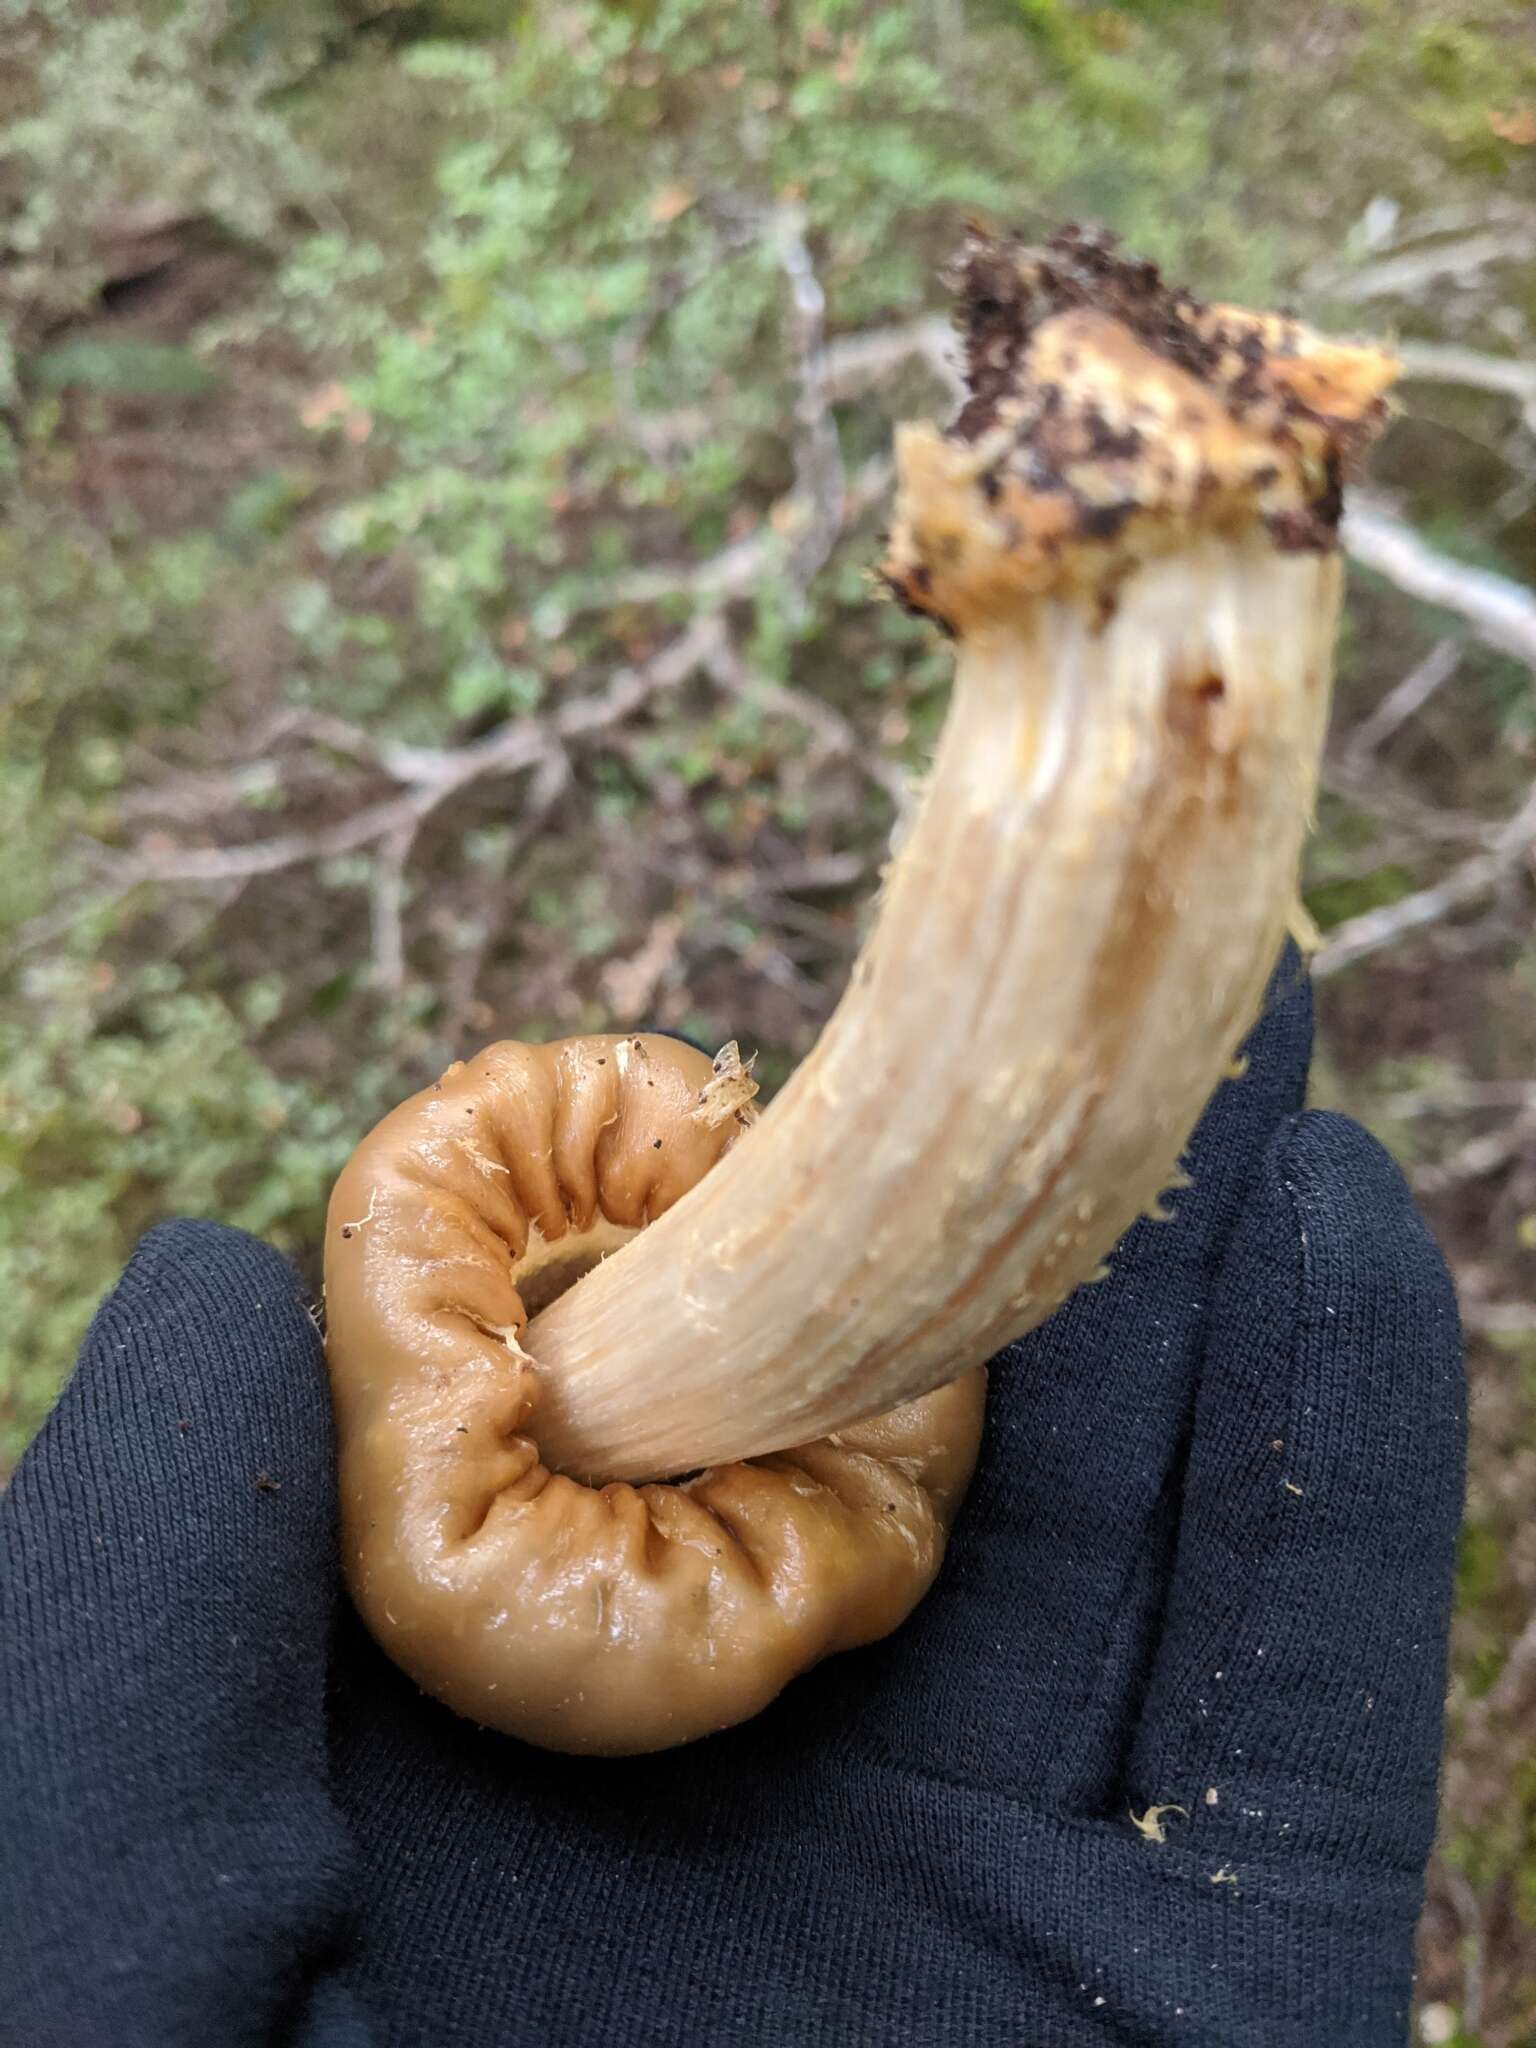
{"x": 612, "y": 1619}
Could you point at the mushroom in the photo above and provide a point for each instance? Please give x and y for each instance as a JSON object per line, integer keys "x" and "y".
{"x": 566, "y": 1273}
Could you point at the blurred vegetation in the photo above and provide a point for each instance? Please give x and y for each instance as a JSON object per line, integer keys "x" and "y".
{"x": 388, "y": 392}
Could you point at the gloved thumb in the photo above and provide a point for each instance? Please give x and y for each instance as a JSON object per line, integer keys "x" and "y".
{"x": 172, "y": 1869}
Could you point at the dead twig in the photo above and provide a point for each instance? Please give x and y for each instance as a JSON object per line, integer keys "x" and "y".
{"x": 1402, "y": 702}
{"x": 1501, "y": 612}
{"x": 836, "y": 736}
{"x": 1499, "y": 1318}
{"x": 1451, "y": 1097}
{"x": 213, "y": 864}
{"x": 1468, "y": 1911}
{"x": 848, "y": 365}
{"x": 1463, "y": 257}
{"x": 1479, "y": 1157}
{"x": 435, "y": 775}
{"x": 1436, "y": 363}
{"x": 1373, "y": 930}
{"x": 1375, "y": 790}
{"x": 387, "y": 908}
{"x": 857, "y": 359}
{"x": 818, "y": 452}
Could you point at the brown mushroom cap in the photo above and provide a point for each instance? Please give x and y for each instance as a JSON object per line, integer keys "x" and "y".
{"x": 613, "y": 1619}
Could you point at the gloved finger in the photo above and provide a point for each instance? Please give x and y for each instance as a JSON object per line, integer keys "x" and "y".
{"x": 171, "y": 1869}
{"x": 1296, "y": 1699}
{"x": 1022, "y": 1669}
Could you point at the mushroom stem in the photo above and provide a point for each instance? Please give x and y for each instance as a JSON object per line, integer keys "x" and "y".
{"x": 1131, "y": 533}
{"x": 1072, "y": 943}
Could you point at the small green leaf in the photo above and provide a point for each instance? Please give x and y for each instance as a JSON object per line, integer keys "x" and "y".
{"x": 123, "y": 367}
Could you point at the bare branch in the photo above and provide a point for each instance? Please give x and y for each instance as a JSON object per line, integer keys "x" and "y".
{"x": 857, "y": 359}
{"x": 262, "y": 856}
{"x": 549, "y": 783}
{"x": 1402, "y": 702}
{"x": 189, "y": 798}
{"x": 822, "y": 502}
{"x": 1378, "y": 792}
{"x": 828, "y": 871}
{"x": 403, "y": 763}
{"x": 1463, "y": 257}
{"x": 1481, "y": 1156}
{"x": 1374, "y": 929}
{"x": 818, "y": 453}
{"x": 1434, "y": 363}
{"x": 735, "y": 569}
{"x": 836, "y": 735}
{"x": 1468, "y": 1910}
{"x": 1499, "y": 1318}
{"x": 387, "y": 905}
{"x": 1392, "y": 230}
{"x": 1500, "y": 611}
{"x": 438, "y": 774}
{"x": 727, "y": 574}
{"x": 631, "y": 984}
{"x": 1452, "y": 1096}
{"x": 848, "y": 364}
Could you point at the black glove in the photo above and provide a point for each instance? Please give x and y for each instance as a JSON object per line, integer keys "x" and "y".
{"x": 1155, "y": 1762}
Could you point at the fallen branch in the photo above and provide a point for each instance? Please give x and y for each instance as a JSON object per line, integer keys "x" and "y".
{"x": 1404, "y": 701}
{"x": 1501, "y": 612}
{"x": 1500, "y": 1318}
{"x": 818, "y": 452}
{"x": 857, "y": 359}
{"x": 1435, "y": 363}
{"x": 387, "y": 909}
{"x": 1451, "y": 1097}
{"x": 261, "y": 856}
{"x": 340, "y": 736}
{"x": 837, "y": 736}
{"x": 1463, "y": 257}
{"x": 739, "y": 567}
{"x": 1376, "y": 791}
{"x": 1372, "y": 930}
{"x": 1486, "y": 1154}
{"x": 436, "y": 775}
